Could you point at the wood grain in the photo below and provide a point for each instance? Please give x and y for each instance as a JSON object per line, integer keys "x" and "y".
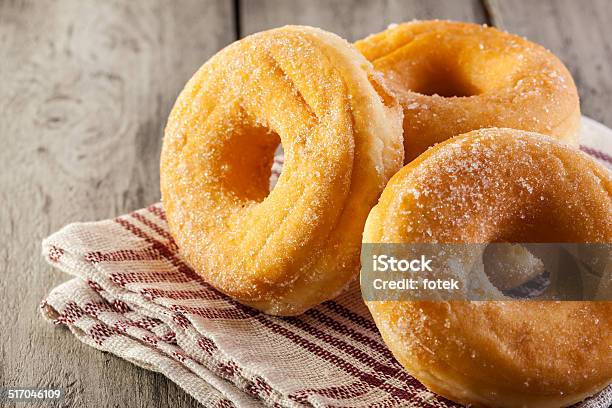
{"x": 352, "y": 19}
{"x": 86, "y": 89}
{"x": 579, "y": 32}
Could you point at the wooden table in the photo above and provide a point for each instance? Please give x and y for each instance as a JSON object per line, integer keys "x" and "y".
{"x": 85, "y": 89}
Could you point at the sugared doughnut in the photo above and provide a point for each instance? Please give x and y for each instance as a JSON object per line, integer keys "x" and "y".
{"x": 453, "y": 77}
{"x": 495, "y": 185}
{"x": 289, "y": 249}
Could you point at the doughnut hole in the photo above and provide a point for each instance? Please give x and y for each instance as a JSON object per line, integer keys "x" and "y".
{"x": 248, "y": 158}
{"x": 510, "y": 266}
{"x": 431, "y": 77}
{"x": 449, "y": 66}
{"x": 277, "y": 166}
{"x": 549, "y": 272}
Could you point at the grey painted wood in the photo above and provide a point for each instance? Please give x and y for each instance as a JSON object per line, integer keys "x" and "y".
{"x": 579, "y": 32}
{"x": 85, "y": 90}
{"x": 352, "y": 19}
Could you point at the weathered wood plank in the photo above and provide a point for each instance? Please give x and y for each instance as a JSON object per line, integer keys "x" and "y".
{"x": 579, "y": 33}
{"x": 352, "y": 19}
{"x": 86, "y": 89}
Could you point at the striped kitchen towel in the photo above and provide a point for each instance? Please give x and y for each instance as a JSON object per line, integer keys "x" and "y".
{"x": 134, "y": 296}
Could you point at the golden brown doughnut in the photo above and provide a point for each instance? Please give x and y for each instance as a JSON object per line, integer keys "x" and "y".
{"x": 494, "y": 185}
{"x": 289, "y": 249}
{"x": 453, "y": 77}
